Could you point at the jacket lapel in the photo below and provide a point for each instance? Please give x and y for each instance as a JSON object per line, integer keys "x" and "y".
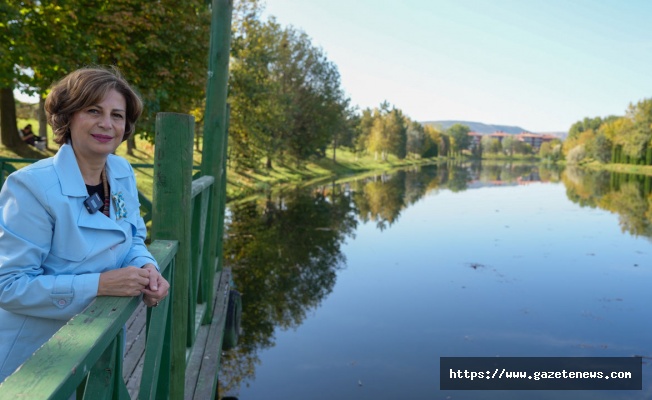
{"x": 73, "y": 186}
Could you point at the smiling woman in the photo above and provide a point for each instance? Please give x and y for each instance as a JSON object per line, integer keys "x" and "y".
{"x": 57, "y": 252}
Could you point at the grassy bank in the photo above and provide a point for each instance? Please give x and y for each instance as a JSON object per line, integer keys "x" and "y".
{"x": 241, "y": 183}
{"x": 622, "y": 168}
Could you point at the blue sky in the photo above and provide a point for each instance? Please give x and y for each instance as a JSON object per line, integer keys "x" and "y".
{"x": 538, "y": 64}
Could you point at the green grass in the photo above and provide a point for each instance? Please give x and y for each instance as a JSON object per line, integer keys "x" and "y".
{"x": 242, "y": 183}
{"x": 623, "y": 168}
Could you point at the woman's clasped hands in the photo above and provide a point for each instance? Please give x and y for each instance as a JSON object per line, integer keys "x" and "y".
{"x": 132, "y": 281}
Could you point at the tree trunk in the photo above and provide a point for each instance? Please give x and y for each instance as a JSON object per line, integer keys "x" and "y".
{"x": 268, "y": 164}
{"x": 43, "y": 122}
{"x": 8, "y": 123}
{"x": 131, "y": 144}
{"x": 9, "y": 127}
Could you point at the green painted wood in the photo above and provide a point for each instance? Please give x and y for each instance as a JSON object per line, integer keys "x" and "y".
{"x": 91, "y": 341}
{"x": 193, "y": 273}
{"x": 61, "y": 364}
{"x": 222, "y": 192}
{"x": 215, "y": 129}
{"x": 105, "y": 381}
{"x": 146, "y": 204}
{"x": 201, "y": 192}
{"x": 171, "y": 220}
{"x": 158, "y": 333}
{"x": 201, "y": 184}
{"x": 203, "y": 296}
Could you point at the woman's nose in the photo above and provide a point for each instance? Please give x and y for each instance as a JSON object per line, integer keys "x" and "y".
{"x": 105, "y": 121}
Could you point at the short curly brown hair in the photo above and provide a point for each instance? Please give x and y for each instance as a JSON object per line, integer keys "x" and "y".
{"x": 83, "y": 88}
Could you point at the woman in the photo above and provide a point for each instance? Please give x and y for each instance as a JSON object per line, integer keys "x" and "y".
{"x": 70, "y": 225}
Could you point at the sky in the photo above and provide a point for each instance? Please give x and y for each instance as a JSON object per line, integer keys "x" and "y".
{"x": 541, "y": 65}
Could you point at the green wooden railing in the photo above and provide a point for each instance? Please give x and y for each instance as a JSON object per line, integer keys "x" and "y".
{"x": 86, "y": 354}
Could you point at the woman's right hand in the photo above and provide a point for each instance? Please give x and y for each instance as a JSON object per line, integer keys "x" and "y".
{"x": 129, "y": 281}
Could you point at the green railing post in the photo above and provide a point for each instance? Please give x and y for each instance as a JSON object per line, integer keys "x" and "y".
{"x": 171, "y": 220}
{"x": 214, "y": 149}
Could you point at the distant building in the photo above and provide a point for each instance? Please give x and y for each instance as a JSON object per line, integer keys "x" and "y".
{"x": 476, "y": 138}
{"x": 533, "y": 139}
{"x": 500, "y": 135}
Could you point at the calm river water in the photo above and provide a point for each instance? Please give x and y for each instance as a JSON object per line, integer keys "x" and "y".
{"x": 355, "y": 290}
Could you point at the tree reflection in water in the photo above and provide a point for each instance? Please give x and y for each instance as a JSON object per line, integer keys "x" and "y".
{"x": 627, "y": 195}
{"x": 285, "y": 253}
{"x": 285, "y": 248}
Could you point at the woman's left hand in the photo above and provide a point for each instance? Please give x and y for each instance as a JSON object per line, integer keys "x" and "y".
{"x": 157, "y": 289}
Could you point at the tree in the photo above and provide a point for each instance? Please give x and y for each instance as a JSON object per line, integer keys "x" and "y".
{"x": 396, "y": 135}
{"x": 160, "y": 47}
{"x": 417, "y": 141}
{"x": 522, "y": 147}
{"x": 636, "y": 139}
{"x": 378, "y": 141}
{"x": 599, "y": 148}
{"x": 11, "y": 49}
{"x": 461, "y": 138}
{"x": 576, "y": 155}
{"x": 438, "y": 145}
{"x": 285, "y": 94}
{"x": 490, "y": 145}
{"x": 364, "y": 128}
{"x": 509, "y": 145}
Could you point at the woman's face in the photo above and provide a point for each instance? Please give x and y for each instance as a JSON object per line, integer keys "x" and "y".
{"x": 97, "y": 130}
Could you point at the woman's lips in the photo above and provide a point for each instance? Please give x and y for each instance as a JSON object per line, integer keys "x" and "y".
{"x": 102, "y": 138}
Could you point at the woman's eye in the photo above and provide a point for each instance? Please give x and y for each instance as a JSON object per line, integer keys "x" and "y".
{"x": 92, "y": 111}
{"x": 118, "y": 116}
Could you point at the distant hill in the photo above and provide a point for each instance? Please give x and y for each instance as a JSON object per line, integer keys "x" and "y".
{"x": 478, "y": 127}
{"x": 486, "y": 129}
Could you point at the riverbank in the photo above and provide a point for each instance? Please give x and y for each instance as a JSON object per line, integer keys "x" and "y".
{"x": 622, "y": 168}
{"x": 244, "y": 182}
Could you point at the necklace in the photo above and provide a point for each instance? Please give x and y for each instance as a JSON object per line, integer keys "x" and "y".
{"x": 105, "y": 186}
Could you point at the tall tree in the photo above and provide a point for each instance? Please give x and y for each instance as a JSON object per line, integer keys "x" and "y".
{"x": 397, "y": 133}
{"x": 417, "y": 141}
{"x": 286, "y": 95}
{"x": 10, "y": 51}
{"x": 460, "y": 135}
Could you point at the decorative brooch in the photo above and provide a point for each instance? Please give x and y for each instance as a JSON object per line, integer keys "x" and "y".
{"x": 119, "y": 204}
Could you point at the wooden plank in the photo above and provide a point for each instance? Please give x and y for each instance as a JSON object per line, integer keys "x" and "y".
{"x": 135, "y": 340}
{"x": 205, "y": 383}
{"x": 194, "y": 362}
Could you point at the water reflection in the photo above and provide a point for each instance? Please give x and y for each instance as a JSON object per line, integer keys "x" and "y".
{"x": 285, "y": 248}
{"x": 285, "y": 251}
{"x": 627, "y": 195}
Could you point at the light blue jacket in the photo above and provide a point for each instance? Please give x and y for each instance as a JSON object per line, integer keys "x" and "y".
{"x": 52, "y": 250}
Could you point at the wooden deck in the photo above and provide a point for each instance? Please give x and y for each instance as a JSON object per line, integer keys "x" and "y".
{"x": 203, "y": 359}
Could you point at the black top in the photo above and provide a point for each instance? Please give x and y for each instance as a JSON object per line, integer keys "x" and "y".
{"x": 99, "y": 189}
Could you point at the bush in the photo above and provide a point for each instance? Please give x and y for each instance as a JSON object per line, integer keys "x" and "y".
{"x": 576, "y": 155}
